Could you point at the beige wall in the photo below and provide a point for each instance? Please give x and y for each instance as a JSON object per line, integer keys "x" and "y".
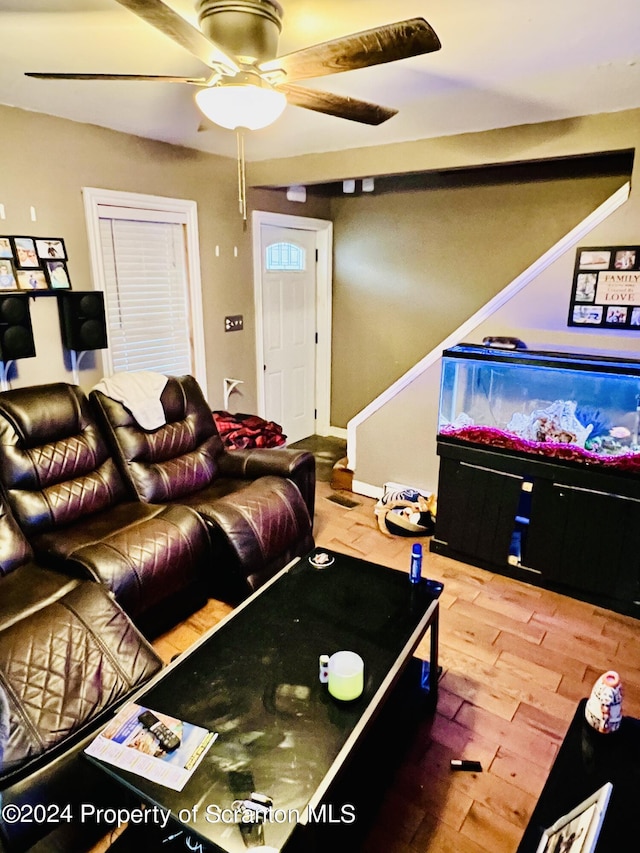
{"x": 383, "y": 450}
{"x": 537, "y": 314}
{"x": 410, "y": 267}
{"x": 46, "y": 162}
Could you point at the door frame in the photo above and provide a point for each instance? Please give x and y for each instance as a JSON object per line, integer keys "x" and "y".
{"x": 323, "y": 229}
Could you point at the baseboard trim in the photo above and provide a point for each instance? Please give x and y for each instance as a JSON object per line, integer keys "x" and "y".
{"x": 366, "y": 489}
{"x": 337, "y": 432}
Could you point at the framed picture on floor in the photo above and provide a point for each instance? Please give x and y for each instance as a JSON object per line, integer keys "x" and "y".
{"x": 577, "y": 831}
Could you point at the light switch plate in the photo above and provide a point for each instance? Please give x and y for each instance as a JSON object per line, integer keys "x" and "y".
{"x": 234, "y": 323}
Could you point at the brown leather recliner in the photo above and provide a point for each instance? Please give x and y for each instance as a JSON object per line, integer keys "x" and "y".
{"x": 69, "y": 498}
{"x": 258, "y": 503}
{"x": 69, "y": 656}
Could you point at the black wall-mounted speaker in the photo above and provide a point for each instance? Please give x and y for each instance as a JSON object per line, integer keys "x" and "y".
{"x": 82, "y": 320}
{"x": 16, "y": 334}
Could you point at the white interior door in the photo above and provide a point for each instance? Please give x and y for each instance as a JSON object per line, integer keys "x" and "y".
{"x": 289, "y": 328}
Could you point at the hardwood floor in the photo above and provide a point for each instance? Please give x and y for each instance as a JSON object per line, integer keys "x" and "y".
{"x": 516, "y": 659}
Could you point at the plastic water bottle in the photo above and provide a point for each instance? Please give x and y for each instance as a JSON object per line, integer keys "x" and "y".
{"x": 415, "y": 572}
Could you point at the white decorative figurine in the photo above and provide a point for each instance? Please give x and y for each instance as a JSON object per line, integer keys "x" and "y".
{"x": 604, "y": 707}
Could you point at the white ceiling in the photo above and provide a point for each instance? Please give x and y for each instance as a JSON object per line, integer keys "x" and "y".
{"x": 502, "y": 63}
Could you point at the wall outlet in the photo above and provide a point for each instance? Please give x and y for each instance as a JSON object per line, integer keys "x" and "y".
{"x": 234, "y": 323}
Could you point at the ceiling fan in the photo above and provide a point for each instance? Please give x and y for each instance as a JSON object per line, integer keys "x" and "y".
{"x": 249, "y": 85}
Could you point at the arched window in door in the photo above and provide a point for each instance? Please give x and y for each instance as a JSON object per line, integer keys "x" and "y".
{"x": 285, "y": 256}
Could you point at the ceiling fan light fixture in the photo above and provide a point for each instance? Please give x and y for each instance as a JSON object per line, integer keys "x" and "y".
{"x": 241, "y": 104}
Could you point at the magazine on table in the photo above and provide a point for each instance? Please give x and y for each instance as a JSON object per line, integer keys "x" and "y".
{"x": 126, "y": 743}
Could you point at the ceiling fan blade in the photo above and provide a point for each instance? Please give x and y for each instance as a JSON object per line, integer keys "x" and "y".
{"x": 388, "y": 43}
{"x": 163, "y": 18}
{"x": 154, "y": 78}
{"x": 336, "y": 105}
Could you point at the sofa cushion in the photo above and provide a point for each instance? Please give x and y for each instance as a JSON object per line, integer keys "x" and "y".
{"x": 186, "y": 455}
{"x": 143, "y": 553}
{"x": 177, "y": 458}
{"x": 56, "y": 464}
{"x": 61, "y": 666}
{"x": 29, "y": 589}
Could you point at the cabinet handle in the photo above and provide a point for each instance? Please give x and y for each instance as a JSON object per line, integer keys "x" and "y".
{"x": 490, "y": 470}
{"x": 564, "y": 487}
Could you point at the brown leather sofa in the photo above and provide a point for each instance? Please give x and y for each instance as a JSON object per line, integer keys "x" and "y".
{"x": 69, "y": 656}
{"x": 258, "y": 503}
{"x": 83, "y": 558}
{"x": 68, "y": 496}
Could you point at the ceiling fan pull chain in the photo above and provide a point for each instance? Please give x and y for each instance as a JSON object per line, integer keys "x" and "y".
{"x": 242, "y": 181}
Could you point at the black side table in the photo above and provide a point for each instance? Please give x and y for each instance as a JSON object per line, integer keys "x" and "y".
{"x": 585, "y": 761}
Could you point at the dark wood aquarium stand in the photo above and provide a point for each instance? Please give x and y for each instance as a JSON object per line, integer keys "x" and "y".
{"x": 559, "y": 525}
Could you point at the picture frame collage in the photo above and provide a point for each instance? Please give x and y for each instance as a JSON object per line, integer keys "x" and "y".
{"x": 606, "y": 288}
{"x": 33, "y": 264}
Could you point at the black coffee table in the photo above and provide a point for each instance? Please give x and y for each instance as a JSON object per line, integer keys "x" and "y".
{"x": 254, "y": 679}
{"x": 587, "y": 760}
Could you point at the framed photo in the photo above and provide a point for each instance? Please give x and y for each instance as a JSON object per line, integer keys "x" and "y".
{"x": 6, "y": 249}
{"x": 32, "y": 280}
{"x": 594, "y": 259}
{"x": 625, "y": 259}
{"x": 586, "y": 286}
{"x": 25, "y": 253}
{"x": 57, "y": 275}
{"x": 616, "y": 314}
{"x": 51, "y": 247}
{"x": 606, "y": 288}
{"x": 577, "y": 831}
{"x": 585, "y": 315}
{"x": 8, "y": 280}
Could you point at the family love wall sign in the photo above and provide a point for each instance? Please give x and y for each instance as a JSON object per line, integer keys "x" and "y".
{"x": 606, "y": 288}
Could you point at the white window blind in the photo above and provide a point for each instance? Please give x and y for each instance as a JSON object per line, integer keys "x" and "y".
{"x": 146, "y": 295}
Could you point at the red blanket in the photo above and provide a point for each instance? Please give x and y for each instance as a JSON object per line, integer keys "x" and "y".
{"x": 239, "y": 431}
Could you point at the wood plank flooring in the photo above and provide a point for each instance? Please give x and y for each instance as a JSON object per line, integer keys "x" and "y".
{"x": 516, "y": 659}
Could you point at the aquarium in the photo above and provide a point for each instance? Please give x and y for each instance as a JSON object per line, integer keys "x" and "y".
{"x": 567, "y": 406}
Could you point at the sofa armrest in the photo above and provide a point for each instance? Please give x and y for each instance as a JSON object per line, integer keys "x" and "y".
{"x": 251, "y": 463}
